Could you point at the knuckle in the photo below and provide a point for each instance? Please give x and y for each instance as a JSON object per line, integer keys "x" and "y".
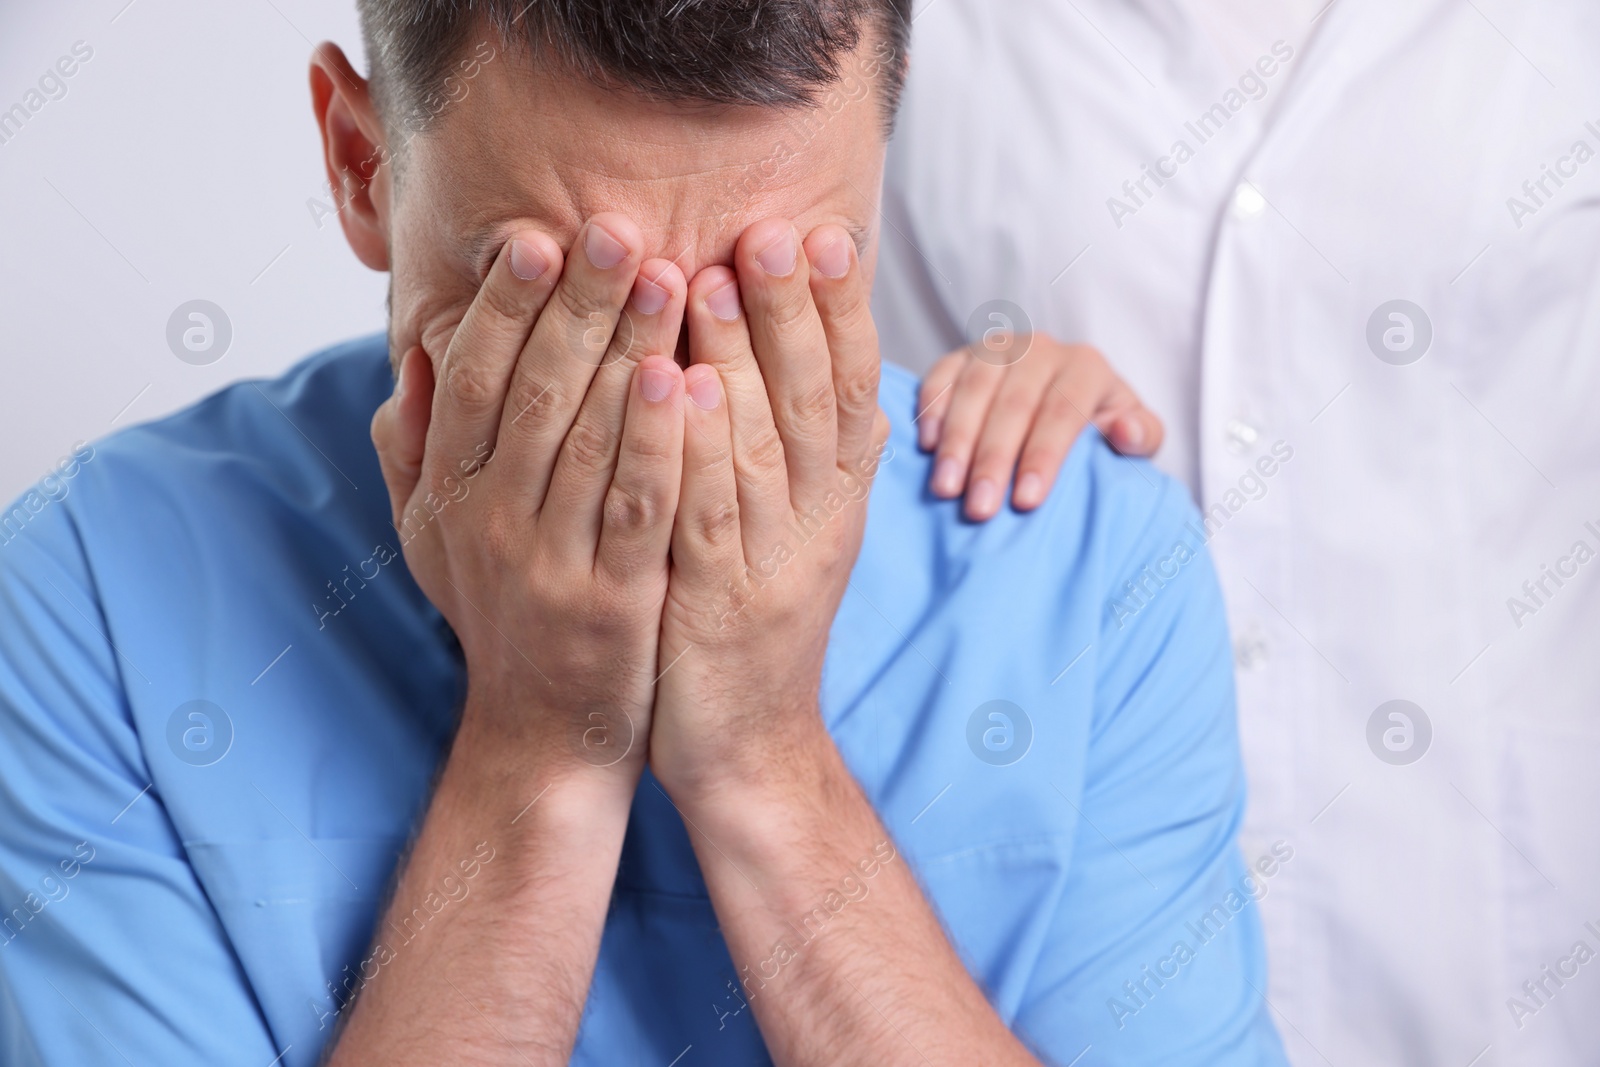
{"x": 717, "y": 526}
{"x": 851, "y": 309}
{"x": 763, "y": 454}
{"x": 474, "y": 387}
{"x": 810, "y": 405}
{"x": 788, "y": 311}
{"x": 589, "y": 312}
{"x": 994, "y": 461}
{"x": 533, "y": 404}
{"x": 858, "y": 391}
{"x": 591, "y": 445}
{"x": 957, "y": 443}
{"x": 505, "y": 304}
{"x": 651, "y": 449}
{"x": 631, "y": 510}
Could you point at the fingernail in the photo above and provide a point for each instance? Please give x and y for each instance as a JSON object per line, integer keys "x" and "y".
{"x": 928, "y": 433}
{"x": 947, "y": 475}
{"x": 648, "y": 297}
{"x": 983, "y": 498}
{"x": 1132, "y": 432}
{"x": 656, "y": 385}
{"x": 526, "y": 262}
{"x": 603, "y": 250}
{"x": 705, "y": 390}
{"x": 777, "y": 258}
{"x": 724, "y": 303}
{"x": 1030, "y": 490}
{"x": 834, "y": 260}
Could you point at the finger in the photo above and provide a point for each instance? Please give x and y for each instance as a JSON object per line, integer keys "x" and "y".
{"x": 842, "y": 298}
{"x": 933, "y": 401}
{"x": 643, "y": 496}
{"x": 570, "y": 340}
{"x": 791, "y": 348}
{"x": 974, "y": 391}
{"x": 1132, "y": 429}
{"x": 583, "y": 472}
{"x": 1062, "y": 416}
{"x": 1010, "y": 417}
{"x": 718, "y": 337}
{"x": 476, "y": 367}
{"x": 706, "y": 550}
{"x": 400, "y": 429}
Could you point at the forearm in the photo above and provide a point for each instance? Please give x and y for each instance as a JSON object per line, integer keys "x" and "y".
{"x": 841, "y": 958}
{"x": 487, "y": 950}
{"x": 837, "y": 951}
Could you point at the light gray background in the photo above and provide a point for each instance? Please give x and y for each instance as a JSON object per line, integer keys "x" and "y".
{"x": 178, "y": 166}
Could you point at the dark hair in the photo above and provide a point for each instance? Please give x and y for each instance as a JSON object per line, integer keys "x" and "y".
{"x": 772, "y": 53}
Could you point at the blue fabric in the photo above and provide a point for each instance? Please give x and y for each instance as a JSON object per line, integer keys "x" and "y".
{"x": 196, "y": 890}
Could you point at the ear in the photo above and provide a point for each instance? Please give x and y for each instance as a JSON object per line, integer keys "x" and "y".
{"x": 355, "y": 150}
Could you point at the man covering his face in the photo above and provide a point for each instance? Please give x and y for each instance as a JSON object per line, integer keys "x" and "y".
{"x": 580, "y": 714}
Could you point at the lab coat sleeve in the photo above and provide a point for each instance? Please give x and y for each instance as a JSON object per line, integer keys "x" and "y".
{"x": 1156, "y": 953}
{"x": 109, "y": 950}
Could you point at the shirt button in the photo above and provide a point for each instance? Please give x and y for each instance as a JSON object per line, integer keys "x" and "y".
{"x": 1240, "y": 435}
{"x": 1247, "y": 202}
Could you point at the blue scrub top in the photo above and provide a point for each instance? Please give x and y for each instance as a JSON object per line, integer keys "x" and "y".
{"x": 223, "y": 698}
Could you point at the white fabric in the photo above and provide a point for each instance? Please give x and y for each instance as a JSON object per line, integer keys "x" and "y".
{"x": 1386, "y": 558}
{"x": 1239, "y": 28}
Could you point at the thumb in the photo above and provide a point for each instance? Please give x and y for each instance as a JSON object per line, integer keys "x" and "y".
{"x": 1135, "y": 432}
{"x": 1130, "y": 427}
{"x": 400, "y": 428}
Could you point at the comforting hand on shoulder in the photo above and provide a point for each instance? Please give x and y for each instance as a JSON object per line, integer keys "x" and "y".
{"x": 988, "y": 418}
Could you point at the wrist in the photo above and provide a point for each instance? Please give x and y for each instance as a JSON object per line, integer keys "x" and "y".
{"x": 709, "y": 738}
{"x": 509, "y": 774}
{"x": 534, "y": 727}
{"x": 770, "y": 789}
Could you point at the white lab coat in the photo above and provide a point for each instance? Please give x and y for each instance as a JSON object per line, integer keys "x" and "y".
{"x": 1434, "y": 535}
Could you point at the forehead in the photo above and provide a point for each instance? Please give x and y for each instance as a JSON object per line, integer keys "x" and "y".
{"x": 526, "y": 143}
